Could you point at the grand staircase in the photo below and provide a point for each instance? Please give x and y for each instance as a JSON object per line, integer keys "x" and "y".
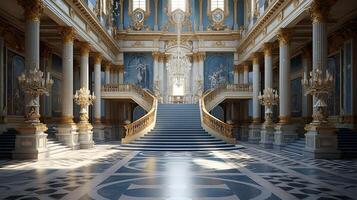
{"x": 178, "y": 128}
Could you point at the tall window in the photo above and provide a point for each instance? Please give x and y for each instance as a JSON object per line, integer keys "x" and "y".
{"x": 217, "y": 4}
{"x": 178, "y": 4}
{"x": 139, "y": 4}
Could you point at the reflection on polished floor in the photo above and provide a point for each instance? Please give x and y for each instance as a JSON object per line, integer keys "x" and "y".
{"x": 108, "y": 173}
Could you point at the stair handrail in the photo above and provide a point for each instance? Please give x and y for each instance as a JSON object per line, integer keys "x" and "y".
{"x": 145, "y": 121}
{"x": 209, "y": 120}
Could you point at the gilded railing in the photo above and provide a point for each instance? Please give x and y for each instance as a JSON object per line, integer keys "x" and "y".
{"x": 145, "y": 121}
{"x": 212, "y": 122}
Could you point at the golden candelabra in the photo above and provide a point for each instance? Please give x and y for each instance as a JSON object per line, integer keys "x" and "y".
{"x": 318, "y": 85}
{"x": 34, "y": 85}
{"x": 83, "y": 98}
{"x": 269, "y": 99}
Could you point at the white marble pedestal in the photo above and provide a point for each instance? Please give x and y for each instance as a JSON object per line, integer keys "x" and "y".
{"x": 85, "y": 135}
{"x": 267, "y": 136}
{"x": 98, "y": 132}
{"x": 284, "y": 134}
{"x": 254, "y": 133}
{"x": 68, "y": 135}
{"x": 321, "y": 142}
{"x": 31, "y": 142}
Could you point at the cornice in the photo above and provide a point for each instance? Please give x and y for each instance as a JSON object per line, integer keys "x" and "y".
{"x": 94, "y": 22}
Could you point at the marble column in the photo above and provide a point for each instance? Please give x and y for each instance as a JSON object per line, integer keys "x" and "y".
{"x": 235, "y": 15}
{"x": 31, "y": 140}
{"x": 121, "y": 74}
{"x": 236, "y": 74}
{"x": 267, "y": 132}
{"x": 252, "y": 12}
{"x": 254, "y": 128}
{"x": 285, "y": 132}
{"x": 67, "y": 130}
{"x": 200, "y": 28}
{"x": 244, "y": 79}
{"x": 245, "y": 74}
{"x": 107, "y": 67}
{"x": 85, "y": 128}
{"x": 320, "y": 139}
{"x": 98, "y": 129}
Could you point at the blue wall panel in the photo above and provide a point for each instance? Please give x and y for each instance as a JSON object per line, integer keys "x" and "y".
{"x": 218, "y": 69}
{"x": 138, "y": 69}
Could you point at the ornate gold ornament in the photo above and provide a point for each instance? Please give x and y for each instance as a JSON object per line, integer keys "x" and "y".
{"x": 284, "y": 35}
{"x": 84, "y": 99}
{"x": 217, "y": 18}
{"x": 255, "y": 58}
{"x": 84, "y": 48}
{"x": 267, "y": 47}
{"x": 67, "y": 33}
{"x": 269, "y": 99}
{"x": 97, "y": 58}
{"x": 318, "y": 85}
{"x": 33, "y": 9}
{"x": 34, "y": 85}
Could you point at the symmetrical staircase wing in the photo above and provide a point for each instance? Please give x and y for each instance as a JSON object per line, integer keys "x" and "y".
{"x": 232, "y": 91}
{"x": 142, "y": 97}
{"x": 214, "y": 97}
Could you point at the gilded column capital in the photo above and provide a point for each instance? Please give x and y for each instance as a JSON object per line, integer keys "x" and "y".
{"x": 201, "y": 56}
{"x": 236, "y": 68}
{"x": 107, "y": 65}
{"x": 33, "y": 9}
{"x": 67, "y": 33}
{"x": 255, "y": 57}
{"x": 121, "y": 68}
{"x": 162, "y": 57}
{"x": 85, "y": 48}
{"x": 319, "y": 10}
{"x": 156, "y": 55}
{"x": 268, "y": 48}
{"x": 284, "y": 35}
{"x": 246, "y": 68}
{"x": 97, "y": 58}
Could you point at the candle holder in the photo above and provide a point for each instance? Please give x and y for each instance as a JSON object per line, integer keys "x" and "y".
{"x": 83, "y": 98}
{"x": 318, "y": 85}
{"x": 269, "y": 99}
{"x": 34, "y": 85}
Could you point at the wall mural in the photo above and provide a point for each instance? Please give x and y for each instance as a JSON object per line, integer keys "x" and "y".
{"x": 15, "y": 97}
{"x": 218, "y": 68}
{"x": 138, "y": 69}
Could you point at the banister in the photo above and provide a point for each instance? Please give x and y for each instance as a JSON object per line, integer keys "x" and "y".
{"x": 221, "y": 128}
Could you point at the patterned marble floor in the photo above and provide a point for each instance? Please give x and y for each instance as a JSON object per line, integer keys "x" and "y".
{"x": 108, "y": 173}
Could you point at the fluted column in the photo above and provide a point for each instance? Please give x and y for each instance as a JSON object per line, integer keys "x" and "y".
{"x": 107, "y": 67}
{"x": 268, "y": 65}
{"x": 67, "y": 70}
{"x": 256, "y": 88}
{"x": 121, "y": 74}
{"x": 85, "y": 48}
{"x": 97, "y": 87}
{"x": 284, "y": 76}
{"x": 236, "y": 74}
{"x": 31, "y": 142}
{"x": 246, "y": 74}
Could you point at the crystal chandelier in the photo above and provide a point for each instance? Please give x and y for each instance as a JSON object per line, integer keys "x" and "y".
{"x": 269, "y": 99}
{"x": 84, "y": 99}
{"x": 318, "y": 85}
{"x": 33, "y": 84}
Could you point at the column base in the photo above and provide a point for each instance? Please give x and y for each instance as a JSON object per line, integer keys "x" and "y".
{"x": 85, "y": 135}
{"x": 254, "y": 133}
{"x": 321, "y": 142}
{"x": 68, "y": 135}
{"x": 98, "y": 132}
{"x": 31, "y": 142}
{"x": 267, "y": 136}
{"x": 284, "y": 134}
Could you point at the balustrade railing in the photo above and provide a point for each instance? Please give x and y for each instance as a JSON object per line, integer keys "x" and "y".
{"x": 212, "y": 122}
{"x": 143, "y": 122}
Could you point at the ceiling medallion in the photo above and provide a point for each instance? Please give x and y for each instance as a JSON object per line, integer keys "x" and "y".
{"x": 217, "y": 18}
